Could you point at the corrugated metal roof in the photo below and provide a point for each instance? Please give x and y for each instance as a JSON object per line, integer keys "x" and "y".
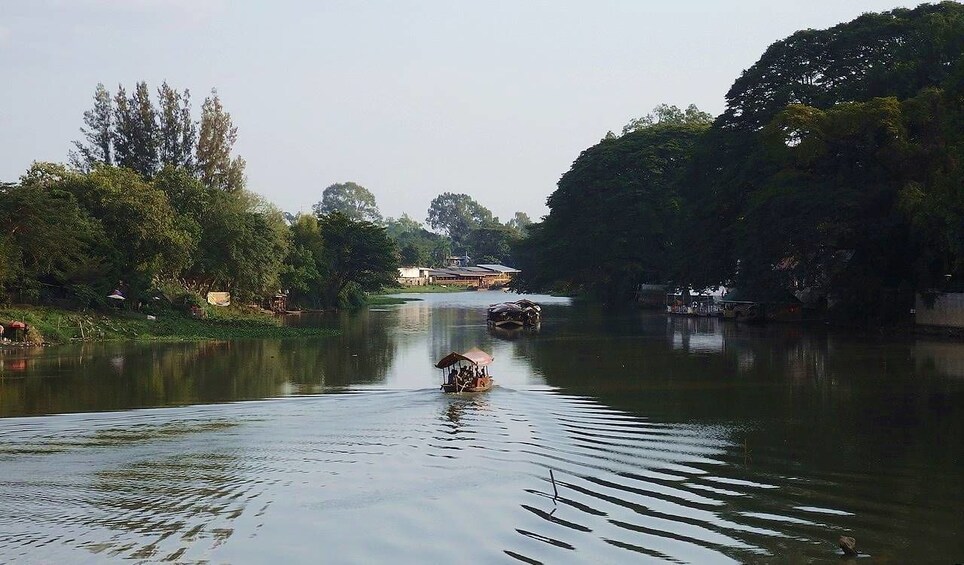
{"x": 500, "y": 268}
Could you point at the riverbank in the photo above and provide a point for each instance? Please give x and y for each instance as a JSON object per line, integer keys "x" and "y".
{"x": 49, "y": 326}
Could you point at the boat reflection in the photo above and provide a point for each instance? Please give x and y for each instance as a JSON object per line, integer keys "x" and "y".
{"x": 512, "y": 333}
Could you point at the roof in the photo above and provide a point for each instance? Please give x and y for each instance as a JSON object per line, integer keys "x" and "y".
{"x": 464, "y": 272}
{"x": 474, "y": 356}
{"x": 500, "y": 268}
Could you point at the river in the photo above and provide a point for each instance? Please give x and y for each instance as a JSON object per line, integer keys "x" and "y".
{"x": 668, "y": 440}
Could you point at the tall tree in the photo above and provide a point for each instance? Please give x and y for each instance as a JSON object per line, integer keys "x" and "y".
{"x": 244, "y": 242}
{"x": 456, "y": 215}
{"x": 177, "y": 132}
{"x": 301, "y": 274}
{"x": 215, "y": 166}
{"x": 351, "y": 199}
{"x": 613, "y": 218}
{"x": 357, "y": 255}
{"x": 46, "y": 235}
{"x": 491, "y": 244}
{"x": 98, "y": 133}
{"x": 142, "y": 238}
{"x": 136, "y": 133}
{"x": 894, "y": 53}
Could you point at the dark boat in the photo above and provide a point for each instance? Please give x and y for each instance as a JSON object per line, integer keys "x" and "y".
{"x": 466, "y": 372}
{"x": 521, "y": 313}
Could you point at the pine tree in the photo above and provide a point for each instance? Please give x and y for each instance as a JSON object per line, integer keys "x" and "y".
{"x": 136, "y": 131}
{"x": 177, "y": 131}
{"x": 99, "y": 134}
{"x": 215, "y": 167}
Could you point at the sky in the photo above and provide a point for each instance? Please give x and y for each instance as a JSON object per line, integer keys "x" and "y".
{"x": 410, "y": 99}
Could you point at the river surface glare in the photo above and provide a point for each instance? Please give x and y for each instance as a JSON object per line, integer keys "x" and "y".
{"x": 669, "y": 439}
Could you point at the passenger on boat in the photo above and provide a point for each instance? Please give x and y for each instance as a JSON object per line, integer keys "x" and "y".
{"x": 452, "y": 375}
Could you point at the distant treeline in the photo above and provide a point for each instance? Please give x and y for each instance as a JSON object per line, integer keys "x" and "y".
{"x": 834, "y": 172}
{"x": 154, "y": 205}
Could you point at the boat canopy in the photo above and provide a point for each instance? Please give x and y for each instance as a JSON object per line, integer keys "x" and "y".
{"x": 474, "y": 356}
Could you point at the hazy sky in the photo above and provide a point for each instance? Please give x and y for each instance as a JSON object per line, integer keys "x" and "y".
{"x": 407, "y": 98}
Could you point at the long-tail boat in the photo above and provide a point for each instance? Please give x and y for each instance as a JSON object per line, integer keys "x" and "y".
{"x": 466, "y": 372}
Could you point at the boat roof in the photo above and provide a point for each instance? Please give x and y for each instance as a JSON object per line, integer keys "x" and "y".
{"x": 474, "y": 356}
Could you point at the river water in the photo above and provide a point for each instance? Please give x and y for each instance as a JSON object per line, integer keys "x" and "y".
{"x": 668, "y": 440}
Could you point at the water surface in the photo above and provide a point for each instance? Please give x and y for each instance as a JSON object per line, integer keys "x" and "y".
{"x": 669, "y": 439}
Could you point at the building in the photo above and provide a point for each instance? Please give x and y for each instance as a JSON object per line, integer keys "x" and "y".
{"x": 413, "y": 276}
{"x": 480, "y": 276}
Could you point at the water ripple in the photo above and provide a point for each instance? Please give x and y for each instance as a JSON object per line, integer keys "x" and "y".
{"x": 407, "y": 476}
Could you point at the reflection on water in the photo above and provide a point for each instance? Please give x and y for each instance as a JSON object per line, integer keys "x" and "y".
{"x": 670, "y": 440}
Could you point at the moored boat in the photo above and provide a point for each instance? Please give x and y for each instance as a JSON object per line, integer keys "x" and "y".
{"x": 466, "y": 372}
{"x": 521, "y": 313}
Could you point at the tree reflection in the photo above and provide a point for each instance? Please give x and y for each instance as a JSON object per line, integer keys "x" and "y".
{"x": 115, "y": 376}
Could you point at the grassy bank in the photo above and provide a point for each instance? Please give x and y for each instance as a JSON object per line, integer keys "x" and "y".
{"x": 54, "y": 325}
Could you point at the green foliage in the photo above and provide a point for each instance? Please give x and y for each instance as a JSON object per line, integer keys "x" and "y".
{"x": 350, "y": 199}
{"x": 613, "y": 218}
{"x": 136, "y": 135}
{"x": 47, "y": 237}
{"x": 244, "y": 243}
{"x": 894, "y": 53}
{"x": 358, "y": 256}
{"x": 216, "y": 138}
{"x": 418, "y": 246}
{"x": 99, "y": 134}
{"x": 488, "y": 245}
{"x": 302, "y": 272}
{"x": 52, "y": 325}
{"x": 456, "y": 215}
{"x": 142, "y": 237}
{"x": 664, "y": 114}
{"x": 519, "y": 224}
{"x": 177, "y": 131}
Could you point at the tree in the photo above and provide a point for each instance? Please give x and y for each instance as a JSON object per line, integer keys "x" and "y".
{"x": 352, "y": 200}
{"x": 413, "y": 255}
{"x": 99, "y": 134}
{"x": 136, "y": 134}
{"x": 613, "y": 218}
{"x": 456, "y": 215}
{"x": 301, "y": 274}
{"x": 141, "y": 238}
{"x": 244, "y": 243}
{"x": 418, "y": 246}
{"x": 46, "y": 235}
{"x": 664, "y": 114}
{"x": 893, "y": 53}
{"x": 357, "y": 255}
{"x": 177, "y": 132}
{"x": 491, "y": 244}
{"x": 855, "y": 187}
{"x": 519, "y": 223}
{"x": 216, "y": 139}
{"x": 402, "y": 226}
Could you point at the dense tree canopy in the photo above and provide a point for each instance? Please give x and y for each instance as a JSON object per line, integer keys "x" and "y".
{"x": 613, "y": 218}
{"x": 357, "y": 256}
{"x": 351, "y": 199}
{"x": 835, "y": 171}
{"x": 456, "y": 215}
